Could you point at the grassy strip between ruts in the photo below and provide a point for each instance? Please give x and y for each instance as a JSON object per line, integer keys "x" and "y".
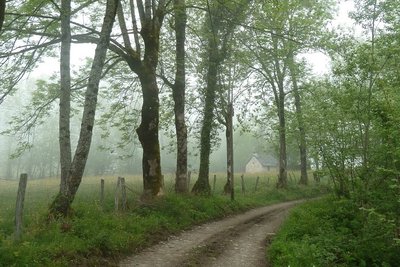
{"x": 101, "y": 237}
{"x": 332, "y": 232}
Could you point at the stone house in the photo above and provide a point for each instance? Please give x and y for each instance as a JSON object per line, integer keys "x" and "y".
{"x": 259, "y": 163}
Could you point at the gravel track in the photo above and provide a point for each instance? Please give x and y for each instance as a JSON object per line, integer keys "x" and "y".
{"x": 239, "y": 241}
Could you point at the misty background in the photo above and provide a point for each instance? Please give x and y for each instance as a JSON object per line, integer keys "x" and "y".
{"x": 35, "y": 148}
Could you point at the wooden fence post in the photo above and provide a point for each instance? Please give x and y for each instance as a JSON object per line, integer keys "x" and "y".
{"x": 243, "y": 188}
{"x": 215, "y": 181}
{"x": 258, "y": 179}
{"x": 123, "y": 190}
{"x": 20, "y": 205}
{"x": 102, "y": 193}
{"x": 116, "y": 197}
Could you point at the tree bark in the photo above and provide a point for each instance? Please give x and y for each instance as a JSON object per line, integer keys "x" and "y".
{"x": 2, "y": 13}
{"x": 65, "y": 95}
{"x": 219, "y": 37}
{"x": 282, "y": 178}
{"x": 146, "y": 70}
{"x": 279, "y": 93}
{"x": 148, "y": 135}
{"x": 229, "y": 186}
{"x": 300, "y": 121}
{"x": 179, "y": 98}
{"x": 202, "y": 185}
{"x": 62, "y": 203}
{"x": 151, "y": 15}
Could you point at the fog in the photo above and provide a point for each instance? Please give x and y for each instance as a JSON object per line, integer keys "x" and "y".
{"x": 35, "y": 150}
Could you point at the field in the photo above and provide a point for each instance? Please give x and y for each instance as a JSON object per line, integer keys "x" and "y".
{"x": 101, "y": 236}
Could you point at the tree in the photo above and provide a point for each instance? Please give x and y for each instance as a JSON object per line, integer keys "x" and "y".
{"x": 151, "y": 18}
{"x": 178, "y": 95}
{"x": 291, "y": 28}
{"x": 62, "y": 203}
{"x": 179, "y": 98}
{"x": 232, "y": 80}
{"x": 142, "y": 59}
{"x": 143, "y": 64}
{"x": 19, "y": 52}
{"x": 221, "y": 20}
{"x": 65, "y": 96}
{"x": 300, "y": 122}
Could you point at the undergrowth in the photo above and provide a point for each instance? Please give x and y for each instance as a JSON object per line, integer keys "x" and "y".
{"x": 101, "y": 236}
{"x": 332, "y": 232}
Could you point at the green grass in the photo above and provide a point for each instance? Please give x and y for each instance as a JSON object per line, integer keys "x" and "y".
{"x": 96, "y": 236}
{"x": 332, "y": 232}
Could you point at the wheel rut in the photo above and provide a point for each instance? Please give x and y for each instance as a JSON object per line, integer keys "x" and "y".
{"x": 234, "y": 241}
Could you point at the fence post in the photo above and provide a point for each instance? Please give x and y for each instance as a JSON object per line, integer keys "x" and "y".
{"x": 214, "y": 183}
{"x": 123, "y": 190}
{"x": 258, "y": 178}
{"x": 243, "y": 188}
{"x": 116, "y": 197}
{"x": 102, "y": 193}
{"x": 20, "y": 205}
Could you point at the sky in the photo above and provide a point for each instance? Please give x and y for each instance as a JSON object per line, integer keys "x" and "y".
{"x": 319, "y": 62}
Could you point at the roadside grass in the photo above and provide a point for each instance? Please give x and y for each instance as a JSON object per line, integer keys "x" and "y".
{"x": 333, "y": 232}
{"x": 101, "y": 236}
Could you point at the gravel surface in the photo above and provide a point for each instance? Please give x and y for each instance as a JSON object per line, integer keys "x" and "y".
{"x": 239, "y": 241}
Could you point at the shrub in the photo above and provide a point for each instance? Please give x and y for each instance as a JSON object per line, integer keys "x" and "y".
{"x": 332, "y": 232}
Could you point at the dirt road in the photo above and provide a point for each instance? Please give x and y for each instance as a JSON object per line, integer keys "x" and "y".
{"x": 235, "y": 241}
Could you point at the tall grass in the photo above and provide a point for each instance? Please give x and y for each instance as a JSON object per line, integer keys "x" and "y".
{"x": 334, "y": 232}
{"x": 97, "y": 236}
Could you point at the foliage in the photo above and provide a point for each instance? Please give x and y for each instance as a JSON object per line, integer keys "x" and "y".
{"x": 96, "y": 236}
{"x": 352, "y": 120}
{"x": 332, "y": 232}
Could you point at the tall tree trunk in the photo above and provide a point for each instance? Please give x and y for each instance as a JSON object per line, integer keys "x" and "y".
{"x": 181, "y": 185}
{"x": 282, "y": 179}
{"x": 229, "y": 186}
{"x": 202, "y": 185}
{"x": 146, "y": 70}
{"x": 300, "y": 121}
{"x": 2, "y": 12}
{"x": 279, "y": 93}
{"x": 219, "y": 37}
{"x": 62, "y": 203}
{"x": 148, "y": 135}
{"x": 65, "y": 95}
{"x": 151, "y": 16}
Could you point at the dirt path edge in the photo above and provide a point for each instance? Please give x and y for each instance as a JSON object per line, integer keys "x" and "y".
{"x": 199, "y": 245}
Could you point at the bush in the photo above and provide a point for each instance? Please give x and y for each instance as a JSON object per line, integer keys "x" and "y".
{"x": 333, "y": 232}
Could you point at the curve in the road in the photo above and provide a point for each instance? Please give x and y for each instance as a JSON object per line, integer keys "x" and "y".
{"x": 235, "y": 241}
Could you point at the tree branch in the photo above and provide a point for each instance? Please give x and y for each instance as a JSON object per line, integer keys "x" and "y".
{"x": 122, "y": 26}
{"x": 2, "y": 12}
{"x": 135, "y": 28}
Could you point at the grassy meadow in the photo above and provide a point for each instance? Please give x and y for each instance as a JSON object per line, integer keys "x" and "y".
{"x": 101, "y": 236}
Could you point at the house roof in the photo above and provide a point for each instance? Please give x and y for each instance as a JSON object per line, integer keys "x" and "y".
{"x": 266, "y": 160}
